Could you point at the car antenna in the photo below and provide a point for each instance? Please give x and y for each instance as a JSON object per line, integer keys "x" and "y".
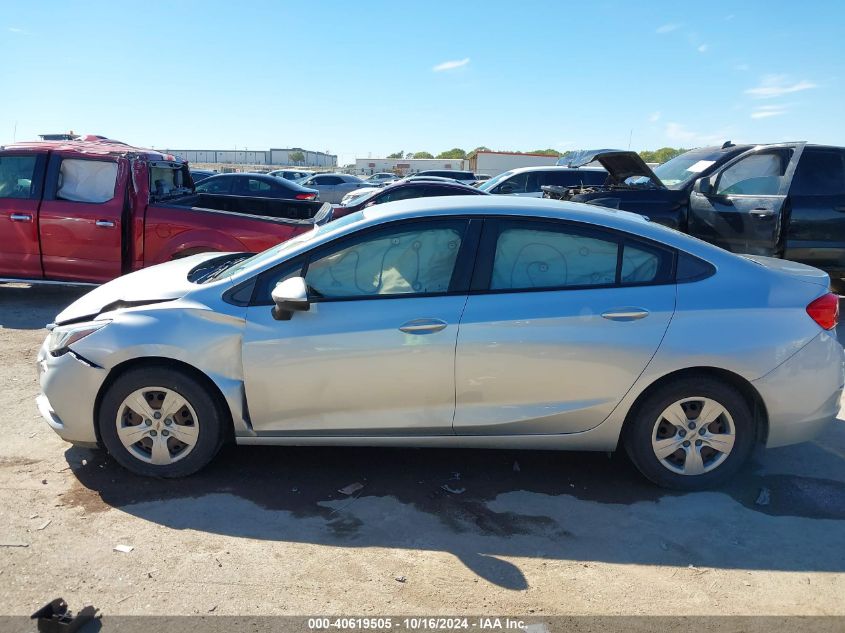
{"x": 727, "y": 144}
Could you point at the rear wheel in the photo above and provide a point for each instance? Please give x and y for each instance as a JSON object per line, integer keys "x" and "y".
{"x": 691, "y": 434}
{"x": 160, "y": 422}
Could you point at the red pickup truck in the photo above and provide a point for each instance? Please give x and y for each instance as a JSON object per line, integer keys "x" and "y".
{"x": 93, "y": 209}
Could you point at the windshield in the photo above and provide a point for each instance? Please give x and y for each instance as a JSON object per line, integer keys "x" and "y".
{"x": 361, "y": 197}
{"x": 290, "y": 245}
{"x": 679, "y": 171}
{"x": 487, "y": 185}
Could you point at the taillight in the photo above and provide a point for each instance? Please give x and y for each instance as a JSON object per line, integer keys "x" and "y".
{"x": 825, "y": 311}
{"x": 306, "y": 196}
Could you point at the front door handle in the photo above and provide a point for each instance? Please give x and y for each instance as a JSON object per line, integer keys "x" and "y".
{"x": 625, "y": 314}
{"x": 106, "y": 224}
{"x": 20, "y": 217}
{"x": 423, "y": 326}
{"x": 763, "y": 213}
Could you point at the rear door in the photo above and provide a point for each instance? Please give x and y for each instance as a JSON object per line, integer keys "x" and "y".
{"x": 815, "y": 232}
{"x": 561, "y": 320}
{"x": 21, "y": 183}
{"x": 744, "y": 210}
{"x": 81, "y": 217}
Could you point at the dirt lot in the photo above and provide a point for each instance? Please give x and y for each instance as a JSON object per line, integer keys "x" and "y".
{"x": 264, "y": 530}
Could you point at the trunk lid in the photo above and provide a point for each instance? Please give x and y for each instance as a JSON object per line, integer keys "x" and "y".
{"x": 620, "y": 164}
{"x": 791, "y": 269}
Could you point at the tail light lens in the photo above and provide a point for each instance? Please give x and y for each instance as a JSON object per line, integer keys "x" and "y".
{"x": 825, "y": 311}
{"x": 306, "y": 196}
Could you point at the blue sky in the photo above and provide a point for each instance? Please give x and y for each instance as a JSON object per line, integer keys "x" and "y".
{"x": 369, "y": 78}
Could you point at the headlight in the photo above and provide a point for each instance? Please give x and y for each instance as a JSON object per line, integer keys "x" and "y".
{"x": 62, "y": 337}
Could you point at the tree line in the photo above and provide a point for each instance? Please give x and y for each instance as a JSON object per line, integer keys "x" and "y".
{"x": 650, "y": 156}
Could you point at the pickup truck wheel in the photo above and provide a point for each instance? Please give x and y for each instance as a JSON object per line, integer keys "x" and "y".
{"x": 159, "y": 422}
{"x": 691, "y": 434}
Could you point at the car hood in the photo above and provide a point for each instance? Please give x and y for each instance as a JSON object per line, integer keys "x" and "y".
{"x": 620, "y": 164}
{"x": 164, "y": 282}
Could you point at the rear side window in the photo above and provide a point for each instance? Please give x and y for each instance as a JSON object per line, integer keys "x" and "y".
{"x": 691, "y": 268}
{"x": 215, "y": 185}
{"x": 17, "y": 175}
{"x": 541, "y": 255}
{"x": 256, "y": 185}
{"x": 90, "y": 181}
{"x": 819, "y": 173}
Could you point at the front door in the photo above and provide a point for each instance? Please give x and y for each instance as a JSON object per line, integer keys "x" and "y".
{"x": 375, "y": 353}
{"x": 563, "y": 321}
{"x": 81, "y": 218}
{"x": 816, "y": 231}
{"x": 21, "y": 182}
{"x": 743, "y": 211}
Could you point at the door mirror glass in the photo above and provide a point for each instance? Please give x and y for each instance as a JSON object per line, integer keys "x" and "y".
{"x": 290, "y": 295}
{"x": 703, "y": 186}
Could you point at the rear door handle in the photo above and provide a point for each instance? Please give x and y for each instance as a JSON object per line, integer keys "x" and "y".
{"x": 763, "y": 213}
{"x": 423, "y": 326}
{"x": 20, "y": 217}
{"x": 625, "y": 314}
{"x": 106, "y": 224}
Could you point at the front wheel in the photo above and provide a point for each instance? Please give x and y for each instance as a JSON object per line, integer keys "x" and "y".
{"x": 691, "y": 434}
{"x": 160, "y": 422}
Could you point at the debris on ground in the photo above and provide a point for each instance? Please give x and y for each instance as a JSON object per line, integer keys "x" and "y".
{"x": 14, "y": 544}
{"x": 45, "y": 524}
{"x": 213, "y": 609}
{"x": 764, "y": 497}
{"x": 400, "y": 579}
{"x": 55, "y": 616}
{"x": 454, "y": 491}
{"x": 124, "y": 549}
{"x": 516, "y": 467}
{"x": 44, "y": 481}
{"x": 351, "y": 488}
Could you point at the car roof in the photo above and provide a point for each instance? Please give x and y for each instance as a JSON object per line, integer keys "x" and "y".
{"x": 94, "y": 146}
{"x": 541, "y": 208}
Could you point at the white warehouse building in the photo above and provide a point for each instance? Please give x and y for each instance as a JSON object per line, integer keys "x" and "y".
{"x": 273, "y": 156}
{"x": 405, "y": 166}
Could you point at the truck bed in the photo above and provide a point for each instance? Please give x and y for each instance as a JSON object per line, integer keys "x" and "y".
{"x": 299, "y": 211}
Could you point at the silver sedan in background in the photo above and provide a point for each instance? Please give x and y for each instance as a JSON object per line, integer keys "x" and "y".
{"x": 333, "y": 187}
{"x": 459, "y": 321}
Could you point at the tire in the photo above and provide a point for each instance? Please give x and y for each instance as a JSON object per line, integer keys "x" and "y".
{"x": 194, "y": 431}
{"x": 700, "y": 459}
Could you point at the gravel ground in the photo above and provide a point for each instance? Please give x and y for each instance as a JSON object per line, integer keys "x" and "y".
{"x": 265, "y": 530}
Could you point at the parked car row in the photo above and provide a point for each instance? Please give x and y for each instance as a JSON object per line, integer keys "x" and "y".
{"x": 784, "y": 200}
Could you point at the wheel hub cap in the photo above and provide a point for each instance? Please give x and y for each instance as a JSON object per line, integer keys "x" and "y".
{"x": 714, "y": 437}
{"x": 141, "y": 421}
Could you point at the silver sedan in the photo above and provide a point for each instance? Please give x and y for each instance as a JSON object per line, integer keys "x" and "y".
{"x": 333, "y": 187}
{"x": 460, "y": 321}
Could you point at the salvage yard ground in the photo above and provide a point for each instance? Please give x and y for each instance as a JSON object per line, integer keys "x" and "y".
{"x": 266, "y": 530}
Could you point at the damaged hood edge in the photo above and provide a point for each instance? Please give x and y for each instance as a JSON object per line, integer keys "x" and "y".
{"x": 164, "y": 282}
{"x": 620, "y": 164}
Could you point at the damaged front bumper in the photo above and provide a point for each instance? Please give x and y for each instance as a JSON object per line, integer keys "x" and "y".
{"x": 69, "y": 388}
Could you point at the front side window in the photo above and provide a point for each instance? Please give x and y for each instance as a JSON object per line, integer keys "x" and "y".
{"x": 215, "y": 185}
{"x": 408, "y": 260}
{"x": 759, "y": 174}
{"x": 90, "y": 181}
{"x": 17, "y": 174}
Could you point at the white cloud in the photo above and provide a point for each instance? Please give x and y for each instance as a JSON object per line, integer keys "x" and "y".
{"x": 772, "y": 86}
{"x": 764, "y": 112}
{"x": 655, "y": 116}
{"x": 667, "y": 28}
{"x": 678, "y": 133}
{"x": 703, "y": 48}
{"x": 451, "y": 65}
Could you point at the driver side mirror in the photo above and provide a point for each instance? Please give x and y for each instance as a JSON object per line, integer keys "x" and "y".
{"x": 704, "y": 186}
{"x": 290, "y": 295}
